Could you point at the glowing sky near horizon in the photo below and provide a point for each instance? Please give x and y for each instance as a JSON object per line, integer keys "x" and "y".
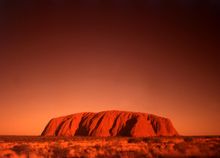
{"x": 57, "y": 61}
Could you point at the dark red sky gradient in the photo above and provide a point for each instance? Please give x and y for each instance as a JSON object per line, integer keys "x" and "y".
{"x": 59, "y": 58}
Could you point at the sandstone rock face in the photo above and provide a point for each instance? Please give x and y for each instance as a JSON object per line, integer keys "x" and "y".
{"x": 110, "y": 123}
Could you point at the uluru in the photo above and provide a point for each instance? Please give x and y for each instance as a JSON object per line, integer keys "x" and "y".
{"x": 110, "y": 123}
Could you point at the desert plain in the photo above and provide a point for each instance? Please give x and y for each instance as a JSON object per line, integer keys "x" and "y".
{"x": 108, "y": 147}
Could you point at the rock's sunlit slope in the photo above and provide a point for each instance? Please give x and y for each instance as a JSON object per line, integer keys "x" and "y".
{"x": 110, "y": 123}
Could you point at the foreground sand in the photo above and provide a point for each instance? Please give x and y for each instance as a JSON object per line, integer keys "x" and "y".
{"x": 113, "y": 147}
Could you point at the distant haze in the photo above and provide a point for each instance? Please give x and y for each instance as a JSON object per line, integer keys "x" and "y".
{"x": 57, "y": 59}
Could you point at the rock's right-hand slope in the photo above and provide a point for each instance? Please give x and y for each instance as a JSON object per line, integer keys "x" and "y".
{"x": 110, "y": 123}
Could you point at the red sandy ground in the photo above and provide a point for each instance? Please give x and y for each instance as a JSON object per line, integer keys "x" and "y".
{"x": 109, "y": 147}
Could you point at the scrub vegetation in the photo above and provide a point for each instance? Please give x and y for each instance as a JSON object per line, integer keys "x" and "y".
{"x": 108, "y": 147}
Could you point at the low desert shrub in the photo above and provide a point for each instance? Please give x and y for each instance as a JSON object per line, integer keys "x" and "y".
{"x": 188, "y": 139}
{"x": 135, "y": 140}
{"x": 21, "y": 149}
{"x": 156, "y": 139}
{"x": 145, "y": 139}
{"x": 59, "y": 151}
{"x": 152, "y": 140}
{"x": 130, "y": 154}
{"x": 97, "y": 147}
{"x": 180, "y": 147}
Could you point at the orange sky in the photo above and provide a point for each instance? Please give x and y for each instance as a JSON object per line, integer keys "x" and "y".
{"x": 59, "y": 60}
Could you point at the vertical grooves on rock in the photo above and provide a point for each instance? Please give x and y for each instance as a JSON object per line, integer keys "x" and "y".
{"x": 128, "y": 126}
{"x": 97, "y": 124}
{"x": 152, "y": 121}
{"x": 71, "y": 123}
{"x": 59, "y": 128}
{"x": 114, "y": 125}
{"x": 81, "y": 129}
{"x": 46, "y": 128}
